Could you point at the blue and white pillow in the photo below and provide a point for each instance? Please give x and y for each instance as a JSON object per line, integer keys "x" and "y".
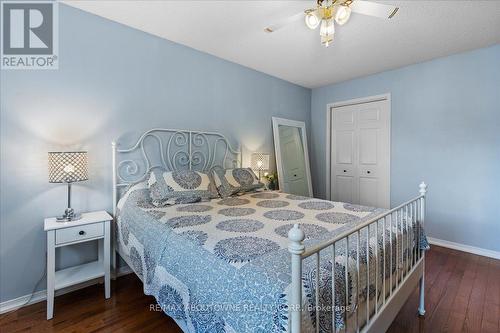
{"x": 233, "y": 181}
{"x": 180, "y": 186}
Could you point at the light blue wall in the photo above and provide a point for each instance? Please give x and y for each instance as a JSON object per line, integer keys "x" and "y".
{"x": 111, "y": 80}
{"x": 445, "y": 130}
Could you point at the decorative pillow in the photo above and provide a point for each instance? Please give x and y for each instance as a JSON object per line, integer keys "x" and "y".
{"x": 181, "y": 186}
{"x": 232, "y": 181}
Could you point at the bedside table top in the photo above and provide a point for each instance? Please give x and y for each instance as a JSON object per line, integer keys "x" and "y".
{"x": 87, "y": 218}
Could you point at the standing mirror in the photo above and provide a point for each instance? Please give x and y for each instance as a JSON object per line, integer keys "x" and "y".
{"x": 292, "y": 157}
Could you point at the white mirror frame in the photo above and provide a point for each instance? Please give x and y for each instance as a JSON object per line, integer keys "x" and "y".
{"x": 277, "y": 150}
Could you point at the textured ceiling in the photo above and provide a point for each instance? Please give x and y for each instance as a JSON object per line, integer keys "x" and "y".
{"x": 233, "y": 30}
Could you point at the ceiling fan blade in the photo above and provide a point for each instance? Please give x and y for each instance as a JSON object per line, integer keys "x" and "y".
{"x": 374, "y": 9}
{"x": 283, "y": 22}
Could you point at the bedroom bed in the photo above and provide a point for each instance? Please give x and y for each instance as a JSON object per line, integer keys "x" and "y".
{"x": 262, "y": 261}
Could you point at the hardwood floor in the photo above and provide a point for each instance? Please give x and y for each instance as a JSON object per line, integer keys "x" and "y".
{"x": 462, "y": 295}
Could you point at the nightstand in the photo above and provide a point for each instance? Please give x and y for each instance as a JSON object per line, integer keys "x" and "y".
{"x": 92, "y": 226}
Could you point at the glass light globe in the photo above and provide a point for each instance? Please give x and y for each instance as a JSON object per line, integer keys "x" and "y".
{"x": 327, "y": 28}
{"x": 342, "y": 14}
{"x": 326, "y": 40}
{"x": 312, "y": 19}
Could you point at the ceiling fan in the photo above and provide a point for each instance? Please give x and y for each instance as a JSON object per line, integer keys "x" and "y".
{"x": 327, "y": 12}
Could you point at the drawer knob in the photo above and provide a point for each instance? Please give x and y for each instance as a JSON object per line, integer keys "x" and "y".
{"x": 368, "y": 172}
{"x": 345, "y": 170}
{"x": 81, "y": 233}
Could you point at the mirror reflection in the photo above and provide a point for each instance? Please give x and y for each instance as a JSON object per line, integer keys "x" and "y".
{"x": 290, "y": 141}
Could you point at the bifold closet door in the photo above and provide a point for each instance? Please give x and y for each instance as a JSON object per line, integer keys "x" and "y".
{"x": 360, "y": 156}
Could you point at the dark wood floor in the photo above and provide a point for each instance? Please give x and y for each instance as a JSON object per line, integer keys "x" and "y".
{"x": 462, "y": 294}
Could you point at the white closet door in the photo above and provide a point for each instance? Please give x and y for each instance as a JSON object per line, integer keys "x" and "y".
{"x": 344, "y": 163}
{"x": 360, "y": 165}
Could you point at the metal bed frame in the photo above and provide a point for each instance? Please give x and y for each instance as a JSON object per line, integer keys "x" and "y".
{"x": 198, "y": 150}
{"x": 176, "y": 149}
{"x": 406, "y": 275}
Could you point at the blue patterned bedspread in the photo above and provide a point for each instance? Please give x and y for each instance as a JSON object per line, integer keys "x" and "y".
{"x": 223, "y": 265}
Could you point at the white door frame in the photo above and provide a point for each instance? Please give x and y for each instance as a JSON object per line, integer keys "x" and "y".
{"x": 328, "y": 150}
{"x": 292, "y": 123}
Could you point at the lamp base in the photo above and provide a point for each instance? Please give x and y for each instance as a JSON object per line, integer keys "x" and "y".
{"x": 69, "y": 215}
{"x": 68, "y": 219}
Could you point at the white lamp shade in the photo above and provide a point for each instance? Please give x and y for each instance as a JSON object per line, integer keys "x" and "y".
{"x": 68, "y": 167}
{"x": 260, "y": 161}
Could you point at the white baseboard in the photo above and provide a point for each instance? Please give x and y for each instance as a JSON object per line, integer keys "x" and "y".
{"x": 39, "y": 296}
{"x": 464, "y": 248}
{"x": 14, "y": 304}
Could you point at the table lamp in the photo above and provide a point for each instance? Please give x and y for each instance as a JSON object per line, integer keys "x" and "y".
{"x": 260, "y": 162}
{"x": 68, "y": 167}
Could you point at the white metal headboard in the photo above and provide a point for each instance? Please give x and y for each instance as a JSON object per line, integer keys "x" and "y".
{"x": 172, "y": 149}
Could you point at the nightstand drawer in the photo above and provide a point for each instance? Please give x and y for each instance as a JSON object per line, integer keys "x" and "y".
{"x": 79, "y": 233}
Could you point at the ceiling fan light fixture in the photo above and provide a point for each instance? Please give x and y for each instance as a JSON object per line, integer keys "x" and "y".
{"x": 327, "y": 28}
{"x": 312, "y": 19}
{"x": 326, "y": 40}
{"x": 342, "y": 14}
{"x": 327, "y": 13}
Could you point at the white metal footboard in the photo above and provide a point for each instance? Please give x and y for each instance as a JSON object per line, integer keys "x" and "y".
{"x": 395, "y": 287}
